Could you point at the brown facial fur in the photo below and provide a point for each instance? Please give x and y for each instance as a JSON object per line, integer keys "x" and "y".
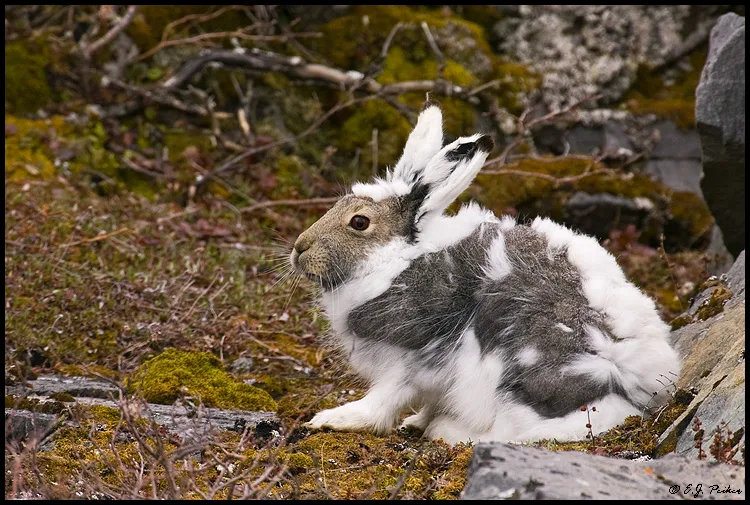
{"x": 330, "y": 249}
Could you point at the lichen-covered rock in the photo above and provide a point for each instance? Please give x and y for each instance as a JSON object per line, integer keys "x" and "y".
{"x": 712, "y": 348}
{"x": 46, "y": 385}
{"x": 503, "y": 472}
{"x": 720, "y": 117}
{"x": 582, "y": 50}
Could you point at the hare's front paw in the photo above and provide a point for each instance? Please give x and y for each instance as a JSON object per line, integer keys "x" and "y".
{"x": 351, "y": 417}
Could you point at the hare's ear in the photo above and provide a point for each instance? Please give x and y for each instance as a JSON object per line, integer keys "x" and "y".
{"x": 449, "y": 173}
{"x": 423, "y": 144}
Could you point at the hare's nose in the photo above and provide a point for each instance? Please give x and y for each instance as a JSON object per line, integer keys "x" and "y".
{"x": 302, "y": 245}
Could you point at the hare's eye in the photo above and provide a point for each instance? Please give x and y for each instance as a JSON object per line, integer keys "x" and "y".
{"x": 359, "y": 223}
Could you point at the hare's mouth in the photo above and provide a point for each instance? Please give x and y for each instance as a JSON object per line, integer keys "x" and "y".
{"x": 315, "y": 278}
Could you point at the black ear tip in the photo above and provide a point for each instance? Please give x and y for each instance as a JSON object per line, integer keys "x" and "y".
{"x": 485, "y": 144}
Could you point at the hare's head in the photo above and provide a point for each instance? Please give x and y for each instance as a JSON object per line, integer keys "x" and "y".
{"x": 426, "y": 179}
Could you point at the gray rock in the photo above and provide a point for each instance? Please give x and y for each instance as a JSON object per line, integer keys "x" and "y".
{"x": 597, "y": 214}
{"x": 585, "y": 140}
{"x": 675, "y": 160}
{"x": 242, "y": 365}
{"x": 194, "y": 423}
{"x": 46, "y": 385}
{"x": 718, "y": 258}
{"x": 581, "y": 139}
{"x": 676, "y": 143}
{"x": 713, "y": 366}
{"x": 615, "y": 138}
{"x": 187, "y": 421}
{"x": 504, "y": 471}
{"x": 736, "y": 277}
{"x": 677, "y": 174}
{"x": 22, "y": 424}
{"x": 579, "y": 50}
{"x": 720, "y": 119}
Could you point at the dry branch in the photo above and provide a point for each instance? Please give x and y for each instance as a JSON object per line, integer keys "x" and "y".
{"x": 524, "y": 127}
{"x": 89, "y": 49}
{"x": 266, "y": 61}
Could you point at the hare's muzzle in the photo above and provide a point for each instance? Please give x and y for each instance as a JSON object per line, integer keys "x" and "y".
{"x": 300, "y": 246}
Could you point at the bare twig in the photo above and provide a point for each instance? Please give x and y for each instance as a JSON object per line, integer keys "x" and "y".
{"x": 435, "y": 49}
{"x": 389, "y": 40}
{"x": 198, "y": 18}
{"x": 97, "y": 238}
{"x": 524, "y": 127}
{"x": 249, "y": 152}
{"x": 89, "y": 49}
{"x": 265, "y": 61}
{"x": 161, "y": 98}
{"x": 239, "y": 34}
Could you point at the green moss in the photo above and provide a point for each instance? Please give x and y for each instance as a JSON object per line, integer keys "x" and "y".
{"x": 296, "y": 461}
{"x": 689, "y": 208}
{"x": 714, "y": 305}
{"x": 35, "y": 405}
{"x": 680, "y": 321}
{"x": 62, "y": 397}
{"x": 178, "y": 140}
{"x": 356, "y": 132}
{"x": 303, "y": 397}
{"x": 27, "y": 155}
{"x": 652, "y": 94}
{"x": 361, "y": 465}
{"x": 667, "y": 446}
{"x": 455, "y": 476}
{"x": 174, "y": 373}
{"x": 289, "y": 173}
{"x": 498, "y": 192}
{"x": 26, "y": 87}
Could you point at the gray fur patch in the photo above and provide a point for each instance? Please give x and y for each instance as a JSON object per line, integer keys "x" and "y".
{"x": 539, "y": 304}
{"x": 429, "y": 303}
{"x": 526, "y": 309}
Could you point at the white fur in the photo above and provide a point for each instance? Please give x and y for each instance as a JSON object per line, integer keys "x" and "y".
{"x": 528, "y": 356}
{"x": 443, "y": 231}
{"x": 380, "y": 189}
{"x": 566, "y": 329}
{"x": 498, "y": 264}
{"x": 423, "y": 144}
{"x": 472, "y": 392}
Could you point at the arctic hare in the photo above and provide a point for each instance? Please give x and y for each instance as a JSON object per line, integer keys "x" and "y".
{"x": 488, "y": 328}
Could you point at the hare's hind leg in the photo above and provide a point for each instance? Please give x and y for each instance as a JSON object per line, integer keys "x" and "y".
{"x": 421, "y": 419}
{"x": 452, "y": 431}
